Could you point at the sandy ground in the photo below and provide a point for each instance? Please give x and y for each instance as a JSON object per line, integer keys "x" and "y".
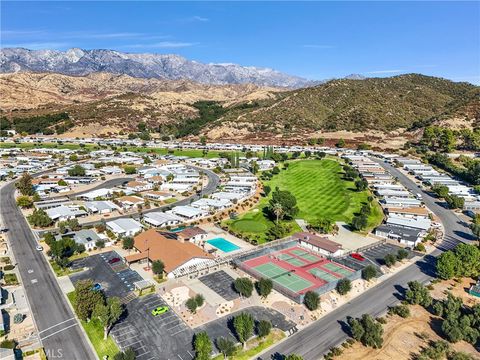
{"x": 402, "y": 339}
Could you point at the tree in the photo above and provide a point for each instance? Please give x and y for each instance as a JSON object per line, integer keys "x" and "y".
{"x": 390, "y": 259}
{"x": 369, "y": 272}
{"x": 73, "y": 157}
{"x": 323, "y": 226}
{"x": 263, "y": 328}
{"x": 243, "y": 286}
{"x": 77, "y": 170}
{"x": 440, "y": 190}
{"x": 278, "y": 231}
{"x": 225, "y": 346}
{"x": 267, "y": 189}
{"x": 24, "y": 185}
{"x": 287, "y": 201}
{"x": 367, "y": 330}
{"x": 128, "y": 243}
{"x": 202, "y": 345}
{"x": 40, "y": 218}
{"x": 293, "y": 357}
{"x": 128, "y": 354}
{"x": 475, "y": 227}
{"x": 343, "y": 286}
{"x": 158, "y": 267}
{"x": 311, "y": 300}
{"x": 455, "y": 202}
{"x": 243, "y": 325}
{"x": 402, "y": 254}
{"x": 340, "y": 143}
{"x": 447, "y": 265}
{"x": 277, "y": 209}
{"x": 100, "y": 244}
{"x": 24, "y": 202}
{"x": 361, "y": 184}
{"x": 468, "y": 257}
{"x": 191, "y": 305}
{"x": 264, "y": 287}
{"x": 108, "y": 314}
{"x": 400, "y": 310}
{"x": 418, "y": 294}
{"x": 129, "y": 169}
{"x": 86, "y": 299}
{"x": 359, "y": 222}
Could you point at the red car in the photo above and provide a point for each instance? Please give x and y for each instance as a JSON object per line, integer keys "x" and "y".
{"x": 357, "y": 256}
{"x": 114, "y": 260}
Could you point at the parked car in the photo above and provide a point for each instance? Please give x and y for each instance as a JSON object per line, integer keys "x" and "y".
{"x": 39, "y": 248}
{"x": 159, "y": 310}
{"x": 357, "y": 256}
{"x": 114, "y": 260}
{"x": 97, "y": 287}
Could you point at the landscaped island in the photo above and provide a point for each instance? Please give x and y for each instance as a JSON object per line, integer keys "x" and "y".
{"x": 321, "y": 191}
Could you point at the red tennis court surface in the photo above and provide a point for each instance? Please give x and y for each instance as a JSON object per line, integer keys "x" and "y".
{"x": 298, "y": 269}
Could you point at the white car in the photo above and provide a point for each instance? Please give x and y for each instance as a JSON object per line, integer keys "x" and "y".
{"x": 39, "y": 248}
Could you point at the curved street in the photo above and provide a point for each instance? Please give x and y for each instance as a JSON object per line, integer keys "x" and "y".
{"x": 59, "y": 330}
{"x": 329, "y": 331}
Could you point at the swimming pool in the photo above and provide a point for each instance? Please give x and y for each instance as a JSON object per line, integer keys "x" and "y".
{"x": 223, "y": 244}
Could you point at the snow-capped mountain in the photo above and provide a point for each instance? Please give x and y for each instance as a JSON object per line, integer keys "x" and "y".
{"x": 173, "y": 67}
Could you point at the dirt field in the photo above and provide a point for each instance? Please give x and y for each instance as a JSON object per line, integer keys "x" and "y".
{"x": 403, "y": 337}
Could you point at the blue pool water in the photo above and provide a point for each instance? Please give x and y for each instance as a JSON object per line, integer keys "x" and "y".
{"x": 223, "y": 244}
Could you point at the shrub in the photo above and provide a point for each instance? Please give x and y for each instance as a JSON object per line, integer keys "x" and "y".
{"x": 390, "y": 260}
{"x": 263, "y": 328}
{"x": 191, "y": 305}
{"x": 344, "y": 286}
{"x": 402, "y": 254}
{"x": 420, "y": 247}
{"x": 311, "y": 300}
{"x": 400, "y": 310}
{"x": 369, "y": 272}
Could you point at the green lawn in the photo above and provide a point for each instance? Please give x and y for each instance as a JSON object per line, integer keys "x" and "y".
{"x": 94, "y": 332}
{"x": 320, "y": 191}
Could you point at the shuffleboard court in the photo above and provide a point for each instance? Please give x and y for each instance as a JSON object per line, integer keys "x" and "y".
{"x": 296, "y": 262}
{"x": 283, "y": 277}
{"x": 319, "y": 273}
{"x": 337, "y": 269}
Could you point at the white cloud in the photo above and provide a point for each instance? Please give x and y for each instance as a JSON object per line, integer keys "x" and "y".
{"x": 200, "y": 18}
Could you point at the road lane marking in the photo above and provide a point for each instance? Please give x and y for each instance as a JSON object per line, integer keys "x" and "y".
{"x": 59, "y": 331}
{"x": 60, "y": 323}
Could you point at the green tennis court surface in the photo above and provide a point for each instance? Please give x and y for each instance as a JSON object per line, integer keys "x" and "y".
{"x": 299, "y": 252}
{"x": 319, "y": 273}
{"x": 338, "y": 269}
{"x": 283, "y": 277}
{"x": 310, "y": 257}
{"x": 295, "y": 262}
{"x": 284, "y": 257}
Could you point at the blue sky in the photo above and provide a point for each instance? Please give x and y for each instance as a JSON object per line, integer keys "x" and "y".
{"x": 316, "y": 40}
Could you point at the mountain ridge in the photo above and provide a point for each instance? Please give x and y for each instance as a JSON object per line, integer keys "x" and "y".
{"x": 76, "y": 61}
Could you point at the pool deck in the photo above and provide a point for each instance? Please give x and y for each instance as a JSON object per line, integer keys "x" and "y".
{"x": 214, "y": 232}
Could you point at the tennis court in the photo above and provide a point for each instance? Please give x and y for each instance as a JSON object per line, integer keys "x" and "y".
{"x": 285, "y": 278}
{"x": 296, "y": 262}
{"x": 321, "y": 274}
{"x": 285, "y": 256}
{"x": 306, "y": 255}
{"x": 337, "y": 269}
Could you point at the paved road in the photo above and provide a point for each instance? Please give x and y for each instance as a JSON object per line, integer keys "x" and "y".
{"x": 211, "y": 187}
{"x": 329, "y": 331}
{"x": 59, "y": 331}
{"x": 107, "y": 184}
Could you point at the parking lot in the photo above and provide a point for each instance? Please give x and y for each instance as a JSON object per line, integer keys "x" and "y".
{"x": 221, "y": 283}
{"x": 115, "y": 277}
{"x": 151, "y": 337}
{"x": 375, "y": 254}
{"x": 165, "y": 336}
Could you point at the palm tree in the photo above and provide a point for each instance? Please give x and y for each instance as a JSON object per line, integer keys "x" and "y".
{"x": 277, "y": 210}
